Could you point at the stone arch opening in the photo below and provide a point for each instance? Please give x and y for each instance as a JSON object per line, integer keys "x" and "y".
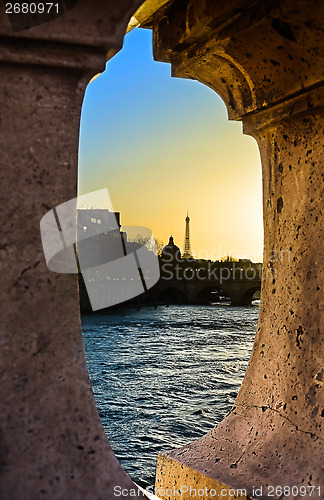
{"x": 197, "y": 165}
{"x": 172, "y": 295}
{"x": 251, "y": 294}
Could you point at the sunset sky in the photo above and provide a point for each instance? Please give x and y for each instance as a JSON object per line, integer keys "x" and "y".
{"x": 162, "y": 145}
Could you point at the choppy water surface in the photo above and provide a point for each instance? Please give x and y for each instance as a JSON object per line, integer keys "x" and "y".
{"x": 163, "y": 377}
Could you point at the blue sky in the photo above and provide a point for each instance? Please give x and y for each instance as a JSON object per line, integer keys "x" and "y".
{"x": 163, "y": 145}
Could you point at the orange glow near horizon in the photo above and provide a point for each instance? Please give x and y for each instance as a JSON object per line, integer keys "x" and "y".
{"x": 162, "y": 146}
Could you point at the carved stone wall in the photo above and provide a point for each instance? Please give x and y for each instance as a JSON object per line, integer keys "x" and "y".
{"x": 263, "y": 58}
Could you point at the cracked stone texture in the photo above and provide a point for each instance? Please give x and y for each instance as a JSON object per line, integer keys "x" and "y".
{"x": 265, "y": 63}
{"x": 264, "y": 60}
{"x": 52, "y": 444}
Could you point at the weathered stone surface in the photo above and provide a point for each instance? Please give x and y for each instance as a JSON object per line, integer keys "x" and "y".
{"x": 52, "y": 444}
{"x": 266, "y": 66}
{"x": 176, "y": 480}
{"x": 252, "y": 54}
{"x": 263, "y": 58}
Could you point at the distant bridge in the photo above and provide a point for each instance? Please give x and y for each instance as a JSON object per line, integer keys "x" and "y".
{"x": 193, "y": 284}
{"x": 239, "y": 292}
{"x": 196, "y": 282}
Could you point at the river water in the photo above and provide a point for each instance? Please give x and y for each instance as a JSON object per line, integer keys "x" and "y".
{"x": 163, "y": 377}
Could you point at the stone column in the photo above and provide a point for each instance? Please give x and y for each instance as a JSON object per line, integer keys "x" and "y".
{"x": 52, "y": 444}
{"x": 264, "y": 60}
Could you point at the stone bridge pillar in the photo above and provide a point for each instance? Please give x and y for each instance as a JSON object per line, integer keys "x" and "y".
{"x": 263, "y": 58}
{"x": 52, "y": 444}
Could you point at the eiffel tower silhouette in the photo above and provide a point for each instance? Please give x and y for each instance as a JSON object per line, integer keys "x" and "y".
{"x": 187, "y": 247}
